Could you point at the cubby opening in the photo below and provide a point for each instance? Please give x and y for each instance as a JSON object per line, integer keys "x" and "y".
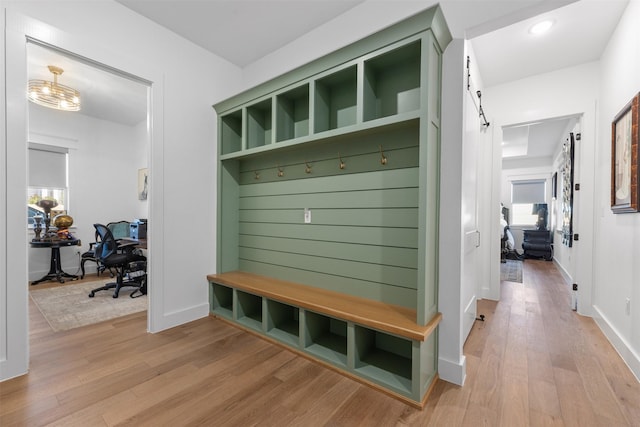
{"x": 249, "y": 310}
{"x": 336, "y": 100}
{"x": 292, "y": 114}
{"x": 222, "y": 301}
{"x": 283, "y": 322}
{"x": 383, "y": 358}
{"x": 259, "y": 124}
{"x": 392, "y": 82}
{"x": 231, "y": 132}
{"x": 326, "y": 338}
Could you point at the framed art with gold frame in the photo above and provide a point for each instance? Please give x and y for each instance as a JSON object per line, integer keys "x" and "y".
{"x": 624, "y": 158}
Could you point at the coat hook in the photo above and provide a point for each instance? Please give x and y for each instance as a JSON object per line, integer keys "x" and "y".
{"x": 308, "y": 168}
{"x": 257, "y": 175}
{"x": 342, "y": 165}
{"x": 383, "y": 159}
{"x": 280, "y": 171}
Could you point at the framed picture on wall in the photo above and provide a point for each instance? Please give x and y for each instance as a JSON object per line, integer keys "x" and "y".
{"x": 624, "y": 158}
{"x": 143, "y": 183}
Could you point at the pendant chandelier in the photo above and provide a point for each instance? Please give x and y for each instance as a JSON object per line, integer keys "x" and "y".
{"x": 53, "y": 94}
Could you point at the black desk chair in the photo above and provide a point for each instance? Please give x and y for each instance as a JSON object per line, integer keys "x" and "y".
{"x": 120, "y": 230}
{"x": 130, "y": 267}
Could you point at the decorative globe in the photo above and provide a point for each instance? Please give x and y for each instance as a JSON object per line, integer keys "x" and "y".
{"x": 62, "y": 221}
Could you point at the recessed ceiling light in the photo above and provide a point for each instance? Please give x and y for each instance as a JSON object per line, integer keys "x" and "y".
{"x": 541, "y": 27}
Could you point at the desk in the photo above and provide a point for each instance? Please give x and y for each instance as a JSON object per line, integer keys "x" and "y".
{"x": 140, "y": 243}
{"x": 55, "y": 268}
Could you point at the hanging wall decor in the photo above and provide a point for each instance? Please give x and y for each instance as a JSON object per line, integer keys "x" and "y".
{"x": 567, "y": 190}
{"x": 143, "y": 183}
{"x": 624, "y": 158}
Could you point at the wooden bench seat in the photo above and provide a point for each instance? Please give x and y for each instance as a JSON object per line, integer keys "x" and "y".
{"x": 389, "y": 318}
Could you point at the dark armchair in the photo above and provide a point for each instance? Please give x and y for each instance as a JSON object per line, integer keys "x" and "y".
{"x": 130, "y": 267}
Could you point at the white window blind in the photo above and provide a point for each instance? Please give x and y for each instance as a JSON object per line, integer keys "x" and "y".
{"x": 47, "y": 167}
{"x": 529, "y": 191}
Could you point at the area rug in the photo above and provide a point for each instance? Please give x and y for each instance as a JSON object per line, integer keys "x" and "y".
{"x": 68, "y": 307}
{"x": 511, "y": 271}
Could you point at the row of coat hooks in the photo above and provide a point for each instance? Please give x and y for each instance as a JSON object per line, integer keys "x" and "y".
{"x": 308, "y": 166}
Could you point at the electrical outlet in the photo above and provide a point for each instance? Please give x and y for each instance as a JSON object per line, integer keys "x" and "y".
{"x": 307, "y": 216}
{"x": 628, "y": 307}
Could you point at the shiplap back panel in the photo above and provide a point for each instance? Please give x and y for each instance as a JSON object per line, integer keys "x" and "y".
{"x": 363, "y": 235}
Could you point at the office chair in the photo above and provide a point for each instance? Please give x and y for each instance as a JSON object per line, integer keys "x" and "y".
{"x": 120, "y": 230}
{"x": 130, "y": 267}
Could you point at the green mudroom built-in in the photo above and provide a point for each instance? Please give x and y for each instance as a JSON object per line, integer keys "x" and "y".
{"x": 328, "y": 200}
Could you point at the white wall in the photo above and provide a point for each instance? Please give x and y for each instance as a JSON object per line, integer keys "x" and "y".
{"x": 462, "y": 220}
{"x": 562, "y": 254}
{"x": 185, "y": 81}
{"x": 104, "y": 158}
{"x": 617, "y": 236}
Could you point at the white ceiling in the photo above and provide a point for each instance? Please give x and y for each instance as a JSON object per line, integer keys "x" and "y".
{"x": 245, "y": 31}
{"x": 103, "y": 94}
{"x": 580, "y": 34}
{"x": 240, "y": 31}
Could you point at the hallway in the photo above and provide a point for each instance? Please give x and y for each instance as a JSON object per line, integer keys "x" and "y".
{"x": 533, "y": 362}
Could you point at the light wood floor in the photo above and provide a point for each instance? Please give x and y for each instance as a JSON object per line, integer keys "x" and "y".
{"x": 532, "y": 362}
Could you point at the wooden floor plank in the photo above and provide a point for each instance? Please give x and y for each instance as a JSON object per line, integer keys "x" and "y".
{"x": 532, "y": 361}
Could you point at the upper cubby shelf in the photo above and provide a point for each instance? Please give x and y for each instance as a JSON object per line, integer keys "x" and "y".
{"x": 392, "y": 82}
{"x": 368, "y": 84}
{"x": 335, "y": 103}
{"x": 292, "y": 113}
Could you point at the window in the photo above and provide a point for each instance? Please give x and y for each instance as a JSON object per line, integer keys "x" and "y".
{"x": 48, "y": 171}
{"x": 526, "y": 196}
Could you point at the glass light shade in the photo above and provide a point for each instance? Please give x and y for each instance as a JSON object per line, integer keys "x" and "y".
{"x": 53, "y": 94}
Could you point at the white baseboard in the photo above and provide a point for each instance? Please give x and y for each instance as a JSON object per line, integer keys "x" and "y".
{"x": 177, "y": 318}
{"x": 565, "y": 275}
{"x": 453, "y": 372}
{"x": 630, "y": 357}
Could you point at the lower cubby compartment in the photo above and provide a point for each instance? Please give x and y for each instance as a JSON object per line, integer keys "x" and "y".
{"x": 326, "y": 338}
{"x": 283, "y": 322}
{"x": 383, "y": 358}
{"x": 249, "y": 310}
{"x": 222, "y": 300}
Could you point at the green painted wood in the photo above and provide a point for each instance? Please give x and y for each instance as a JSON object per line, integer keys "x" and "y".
{"x": 385, "y": 198}
{"x": 390, "y": 275}
{"x": 292, "y": 113}
{"x": 386, "y": 255}
{"x": 402, "y": 217}
{"x": 259, "y": 120}
{"x": 384, "y": 359}
{"x": 333, "y": 135}
{"x": 396, "y": 137}
{"x": 335, "y": 103}
{"x": 392, "y": 82}
{"x": 431, "y": 20}
{"x": 385, "y": 179}
{"x": 374, "y": 227}
{"x": 429, "y": 179}
{"x": 228, "y": 224}
{"x": 231, "y": 132}
{"x": 249, "y": 310}
{"x": 393, "y": 237}
{"x": 375, "y": 291}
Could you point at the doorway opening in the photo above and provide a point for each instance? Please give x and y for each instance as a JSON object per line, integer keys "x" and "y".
{"x": 106, "y": 146}
{"x": 533, "y": 197}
